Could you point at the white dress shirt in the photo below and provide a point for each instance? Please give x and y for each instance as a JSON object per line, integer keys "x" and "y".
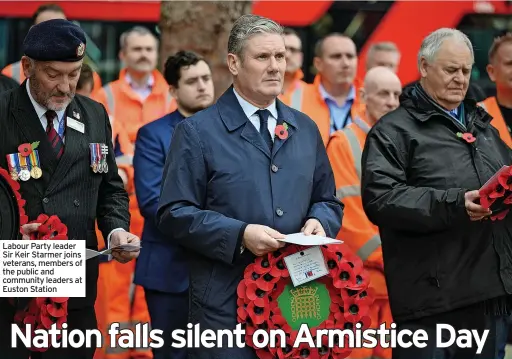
{"x": 41, "y": 113}
{"x": 143, "y": 91}
{"x": 250, "y": 111}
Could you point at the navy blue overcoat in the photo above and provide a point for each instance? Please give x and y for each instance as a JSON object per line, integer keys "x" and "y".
{"x": 220, "y": 175}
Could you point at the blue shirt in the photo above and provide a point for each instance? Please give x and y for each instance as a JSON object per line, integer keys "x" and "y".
{"x": 457, "y": 115}
{"x": 340, "y": 115}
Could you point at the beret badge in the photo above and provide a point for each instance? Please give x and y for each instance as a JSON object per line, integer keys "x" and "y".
{"x": 80, "y": 50}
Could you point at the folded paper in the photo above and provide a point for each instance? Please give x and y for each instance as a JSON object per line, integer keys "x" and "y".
{"x": 311, "y": 240}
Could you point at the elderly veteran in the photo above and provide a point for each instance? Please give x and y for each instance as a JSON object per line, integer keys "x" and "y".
{"x": 445, "y": 260}
{"x": 74, "y": 173}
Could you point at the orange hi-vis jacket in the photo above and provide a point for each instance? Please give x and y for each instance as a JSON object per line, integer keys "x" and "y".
{"x": 130, "y": 113}
{"x": 345, "y": 151}
{"x": 490, "y": 105}
{"x": 15, "y": 71}
{"x": 292, "y": 96}
{"x": 124, "y": 301}
{"x": 362, "y": 236}
{"x": 308, "y": 100}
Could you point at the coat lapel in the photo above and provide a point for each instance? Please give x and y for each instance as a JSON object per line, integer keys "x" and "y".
{"x": 284, "y": 115}
{"x": 234, "y": 117}
{"x": 32, "y": 130}
{"x": 73, "y": 146}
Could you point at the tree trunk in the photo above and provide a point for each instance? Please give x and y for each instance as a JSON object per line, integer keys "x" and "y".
{"x": 202, "y": 27}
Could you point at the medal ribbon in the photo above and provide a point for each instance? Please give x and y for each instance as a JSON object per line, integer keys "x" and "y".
{"x": 23, "y": 162}
{"x": 33, "y": 160}
{"x": 98, "y": 151}
{"x": 93, "y": 155}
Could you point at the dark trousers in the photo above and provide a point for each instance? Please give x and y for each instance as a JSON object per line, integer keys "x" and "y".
{"x": 470, "y": 318}
{"x": 168, "y": 312}
{"x": 82, "y": 319}
{"x": 502, "y": 336}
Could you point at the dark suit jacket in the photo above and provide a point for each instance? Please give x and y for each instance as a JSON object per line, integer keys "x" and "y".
{"x": 68, "y": 188}
{"x": 219, "y": 176}
{"x": 6, "y": 83}
{"x": 162, "y": 265}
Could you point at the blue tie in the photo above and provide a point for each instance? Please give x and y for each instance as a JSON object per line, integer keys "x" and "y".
{"x": 263, "y": 114}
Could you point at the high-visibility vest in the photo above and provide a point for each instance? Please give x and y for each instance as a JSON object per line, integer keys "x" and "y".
{"x": 308, "y": 100}
{"x": 345, "y": 151}
{"x": 490, "y": 105}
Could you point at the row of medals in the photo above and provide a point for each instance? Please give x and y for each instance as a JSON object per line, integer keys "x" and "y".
{"x": 25, "y": 174}
{"x": 101, "y": 167}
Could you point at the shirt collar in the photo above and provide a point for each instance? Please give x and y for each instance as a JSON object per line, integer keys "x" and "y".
{"x": 40, "y": 110}
{"x": 325, "y": 95}
{"x": 249, "y": 109}
{"x": 149, "y": 84}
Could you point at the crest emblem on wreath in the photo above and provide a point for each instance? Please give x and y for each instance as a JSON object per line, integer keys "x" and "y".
{"x": 80, "y": 49}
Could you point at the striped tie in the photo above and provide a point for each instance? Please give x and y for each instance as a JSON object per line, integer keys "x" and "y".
{"x": 53, "y": 136}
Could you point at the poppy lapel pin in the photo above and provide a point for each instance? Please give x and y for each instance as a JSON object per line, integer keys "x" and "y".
{"x": 282, "y": 131}
{"x": 467, "y": 136}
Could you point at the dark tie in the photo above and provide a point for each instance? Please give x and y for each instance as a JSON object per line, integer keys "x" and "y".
{"x": 53, "y": 136}
{"x": 263, "y": 114}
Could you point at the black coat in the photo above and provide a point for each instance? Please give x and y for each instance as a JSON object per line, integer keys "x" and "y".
{"x": 68, "y": 188}
{"x": 6, "y": 83}
{"x": 415, "y": 173}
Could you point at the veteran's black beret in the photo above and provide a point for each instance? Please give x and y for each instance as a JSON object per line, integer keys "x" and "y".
{"x": 55, "y": 40}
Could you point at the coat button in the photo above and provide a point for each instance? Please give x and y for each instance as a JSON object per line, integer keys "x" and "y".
{"x": 76, "y": 202}
{"x": 274, "y": 168}
{"x": 46, "y": 200}
{"x": 279, "y": 212}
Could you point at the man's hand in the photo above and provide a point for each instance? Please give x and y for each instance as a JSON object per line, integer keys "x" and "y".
{"x": 475, "y": 211}
{"x": 26, "y": 229}
{"x": 261, "y": 240}
{"x": 119, "y": 238}
{"x": 313, "y": 226}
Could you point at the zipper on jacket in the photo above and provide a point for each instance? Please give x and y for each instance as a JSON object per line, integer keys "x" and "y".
{"x": 473, "y": 147}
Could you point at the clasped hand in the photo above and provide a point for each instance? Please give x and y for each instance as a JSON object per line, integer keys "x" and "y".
{"x": 261, "y": 240}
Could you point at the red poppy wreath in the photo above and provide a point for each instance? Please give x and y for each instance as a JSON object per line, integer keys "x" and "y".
{"x": 41, "y": 312}
{"x": 497, "y": 193}
{"x": 268, "y": 300}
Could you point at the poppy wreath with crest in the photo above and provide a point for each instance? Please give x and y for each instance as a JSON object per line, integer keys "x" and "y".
{"x": 496, "y": 194}
{"x": 268, "y": 300}
{"x": 41, "y": 312}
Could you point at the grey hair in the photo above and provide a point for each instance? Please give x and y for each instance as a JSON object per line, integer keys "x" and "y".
{"x": 383, "y": 46}
{"x": 433, "y": 42}
{"x": 139, "y": 30}
{"x": 247, "y": 26}
{"x": 387, "y": 46}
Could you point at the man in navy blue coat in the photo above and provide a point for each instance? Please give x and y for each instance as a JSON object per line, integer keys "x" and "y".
{"x": 232, "y": 188}
{"x": 161, "y": 268}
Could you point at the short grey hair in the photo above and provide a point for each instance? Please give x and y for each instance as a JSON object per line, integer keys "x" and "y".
{"x": 139, "y": 30}
{"x": 247, "y": 26}
{"x": 433, "y": 42}
{"x": 383, "y": 46}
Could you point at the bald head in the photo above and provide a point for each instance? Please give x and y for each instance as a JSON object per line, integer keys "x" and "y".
{"x": 381, "y": 91}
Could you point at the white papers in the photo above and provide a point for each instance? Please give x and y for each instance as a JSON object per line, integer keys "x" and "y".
{"x": 311, "y": 240}
{"x": 129, "y": 247}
